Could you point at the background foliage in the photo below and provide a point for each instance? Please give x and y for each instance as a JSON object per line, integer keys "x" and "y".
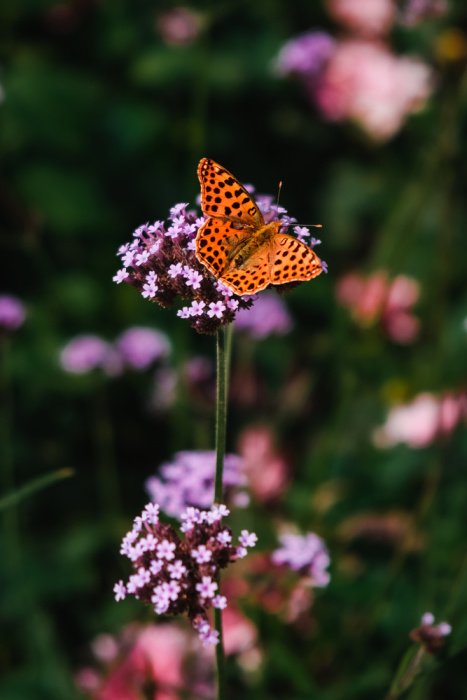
{"x": 101, "y": 129}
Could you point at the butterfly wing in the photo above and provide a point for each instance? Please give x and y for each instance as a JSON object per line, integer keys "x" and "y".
{"x": 218, "y": 242}
{"x": 292, "y": 261}
{"x": 251, "y": 277}
{"x": 224, "y": 197}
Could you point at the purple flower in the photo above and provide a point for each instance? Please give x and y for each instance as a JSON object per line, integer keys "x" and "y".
{"x": 306, "y": 54}
{"x": 84, "y": 353}
{"x": 207, "y": 635}
{"x": 219, "y": 601}
{"x": 216, "y": 309}
{"x": 202, "y": 554}
{"x": 431, "y": 636}
{"x": 178, "y": 575}
{"x": 140, "y": 346}
{"x": 120, "y": 591}
{"x": 248, "y": 539}
{"x": 207, "y": 588}
{"x": 306, "y": 554}
{"x": 184, "y": 313}
{"x": 12, "y": 312}
{"x": 189, "y": 481}
{"x": 120, "y": 276}
{"x": 197, "y": 307}
{"x": 269, "y": 316}
{"x": 165, "y": 550}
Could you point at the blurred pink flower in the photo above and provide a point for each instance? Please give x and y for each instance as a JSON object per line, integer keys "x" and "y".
{"x": 266, "y": 470}
{"x": 369, "y": 17}
{"x": 179, "y": 26}
{"x": 422, "y": 421}
{"x": 375, "y": 299}
{"x": 153, "y": 654}
{"x": 240, "y": 634}
{"x": 365, "y": 82}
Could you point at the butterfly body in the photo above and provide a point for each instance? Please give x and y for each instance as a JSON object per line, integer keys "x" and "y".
{"x": 236, "y": 244}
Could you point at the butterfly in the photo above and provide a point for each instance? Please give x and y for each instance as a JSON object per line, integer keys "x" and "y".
{"x": 235, "y": 243}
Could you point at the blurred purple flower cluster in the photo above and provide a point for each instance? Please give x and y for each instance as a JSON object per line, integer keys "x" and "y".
{"x": 189, "y": 481}
{"x": 358, "y": 77}
{"x": 179, "y": 575}
{"x": 12, "y": 313}
{"x": 269, "y": 316}
{"x": 306, "y": 554}
{"x": 137, "y": 348}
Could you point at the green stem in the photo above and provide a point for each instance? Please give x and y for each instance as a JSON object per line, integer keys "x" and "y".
{"x": 221, "y": 413}
{"x": 405, "y": 674}
{"x": 221, "y": 416}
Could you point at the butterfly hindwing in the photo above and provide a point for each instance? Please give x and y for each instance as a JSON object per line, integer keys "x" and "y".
{"x": 292, "y": 261}
{"x": 250, "y": 280}
{"x": 223, "y": 196}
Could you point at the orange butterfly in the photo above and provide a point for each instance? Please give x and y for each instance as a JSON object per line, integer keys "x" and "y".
{"x": 235, "y": 243}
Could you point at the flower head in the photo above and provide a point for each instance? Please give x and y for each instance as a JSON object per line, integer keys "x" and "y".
{"x": 189, "y": 481}
{"x": 306, "y": 554}
{"x": 84, "y": 353}
{"x": 177, "y": 575}
{"x": 305, "y": 54}
{"x": 429, "y": 635}
{"x": 140, "y": 347}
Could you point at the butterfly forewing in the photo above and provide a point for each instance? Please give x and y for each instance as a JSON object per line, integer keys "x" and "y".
{"x": 223, "y": 196}
{"x": 217, "y": 242}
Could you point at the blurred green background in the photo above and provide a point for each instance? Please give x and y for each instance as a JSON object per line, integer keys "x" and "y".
{"x": 102, "y": 124}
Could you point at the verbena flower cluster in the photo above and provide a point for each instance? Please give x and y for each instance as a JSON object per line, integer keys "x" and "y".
{"x": 12, "y": 312}
{"x": 137, "y": 348}
{"x": 178, "y": 575}
{"x": 306, "y": 554}
{"x": 189, "y": 481}
{"x": 161, "y": 264}
{"x": 429, "y": 635}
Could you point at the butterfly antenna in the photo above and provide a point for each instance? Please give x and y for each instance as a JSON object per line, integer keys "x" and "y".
{"x": 278, "y": 194}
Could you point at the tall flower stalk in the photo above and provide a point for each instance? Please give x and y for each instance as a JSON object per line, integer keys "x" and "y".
{"x": 223, "y": 357}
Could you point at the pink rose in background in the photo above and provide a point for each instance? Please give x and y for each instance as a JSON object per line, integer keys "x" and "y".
{"x": 375, "y": 298}
{"x": 266, "y": 470}
{"x": 369, "y": 17}
{"x": 422, "y": 421}
{"x": 365, "y": 82}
